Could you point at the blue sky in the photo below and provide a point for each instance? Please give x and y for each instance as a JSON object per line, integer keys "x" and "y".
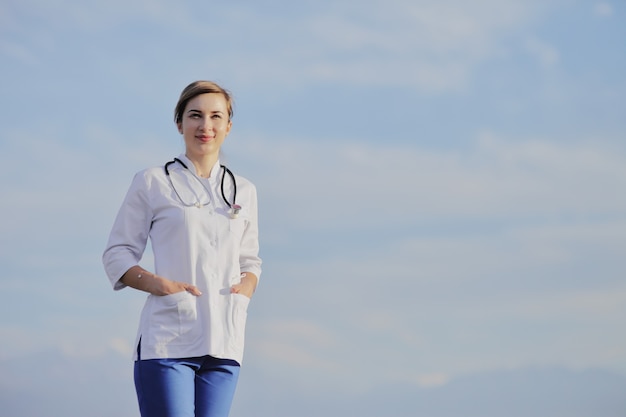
{"x": 443, "y": 221}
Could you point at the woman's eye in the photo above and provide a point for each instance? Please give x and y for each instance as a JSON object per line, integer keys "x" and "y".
{"x": 216, "y": 116}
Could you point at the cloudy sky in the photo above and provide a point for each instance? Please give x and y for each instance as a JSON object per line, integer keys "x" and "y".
{"x": 441, "y": 184}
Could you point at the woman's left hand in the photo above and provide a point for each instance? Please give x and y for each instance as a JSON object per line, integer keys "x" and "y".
{"x": 246, "y": 286}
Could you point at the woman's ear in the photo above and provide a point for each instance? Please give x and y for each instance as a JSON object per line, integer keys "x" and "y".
{"x": 179, "y": 125}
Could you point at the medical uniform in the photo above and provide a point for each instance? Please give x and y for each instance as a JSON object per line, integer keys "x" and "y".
{"x": 194, "y": 240}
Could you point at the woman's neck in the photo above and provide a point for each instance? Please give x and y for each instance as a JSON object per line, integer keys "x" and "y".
{"x": 203, "y": 164}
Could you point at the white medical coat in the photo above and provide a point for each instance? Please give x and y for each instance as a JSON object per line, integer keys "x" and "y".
{"x": 202, "y": 246}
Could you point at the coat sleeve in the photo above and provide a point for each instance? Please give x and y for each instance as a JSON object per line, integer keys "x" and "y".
{"x": 129, "y": 234}
{"x": 249, "y": 260}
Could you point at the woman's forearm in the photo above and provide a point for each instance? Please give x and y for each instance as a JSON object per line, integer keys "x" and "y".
{"x": 144, "y": 280}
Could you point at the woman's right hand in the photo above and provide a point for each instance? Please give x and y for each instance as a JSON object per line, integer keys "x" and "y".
{"x": 163, "y": 286}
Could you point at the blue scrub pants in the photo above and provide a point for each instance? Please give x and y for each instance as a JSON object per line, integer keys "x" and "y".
{"x": 189, "y": 387}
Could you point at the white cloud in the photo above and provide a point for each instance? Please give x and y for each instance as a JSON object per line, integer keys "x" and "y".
{"x": 432, "y": 380}
{"x": 98, "y": 16}
{"x": 496, "y": 179}
{"x": 122, "y": 346}
{"x": 17, "y": 51}
{"x": 603, "y": 9}
{"x": 511, "y": 298}
{"x": 547, "y": 55}
{"x": 426, "y": 45}
{"x": 430, "y": 46}
{"x": 516, "y": 221}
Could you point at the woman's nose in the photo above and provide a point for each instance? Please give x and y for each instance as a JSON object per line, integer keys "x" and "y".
{"x": 207, "y": 124}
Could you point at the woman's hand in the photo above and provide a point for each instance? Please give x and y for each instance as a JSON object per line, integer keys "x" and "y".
{"x": 246, "y": 286}
{"x": 163, "y": 286}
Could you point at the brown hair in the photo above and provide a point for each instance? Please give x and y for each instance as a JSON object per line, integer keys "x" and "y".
{"x": 195, "y": 89}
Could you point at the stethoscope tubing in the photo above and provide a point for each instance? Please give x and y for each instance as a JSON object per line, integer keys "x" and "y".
{"x": 225, "y": 171}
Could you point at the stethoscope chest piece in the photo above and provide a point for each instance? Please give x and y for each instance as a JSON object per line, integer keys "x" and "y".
{"x": 234, "y": 211}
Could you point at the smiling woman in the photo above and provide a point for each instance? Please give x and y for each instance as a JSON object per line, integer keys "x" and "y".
{"x": 203, "y": 116}
{"x": 190, "y": 341}
{"x": 204, "y": 126}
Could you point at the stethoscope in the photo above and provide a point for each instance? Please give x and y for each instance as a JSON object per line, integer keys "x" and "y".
{"x": 234, "y": 208}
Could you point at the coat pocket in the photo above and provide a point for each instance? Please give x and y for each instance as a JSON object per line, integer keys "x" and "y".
{"x": 172, "y": 318}
{"x": 238, "y": 312}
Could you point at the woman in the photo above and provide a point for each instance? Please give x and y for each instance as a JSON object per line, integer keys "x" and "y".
{"x": 202, "y": 224}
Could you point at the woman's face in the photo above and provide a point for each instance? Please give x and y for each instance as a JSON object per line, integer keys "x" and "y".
{"x": 204, "y": 125}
